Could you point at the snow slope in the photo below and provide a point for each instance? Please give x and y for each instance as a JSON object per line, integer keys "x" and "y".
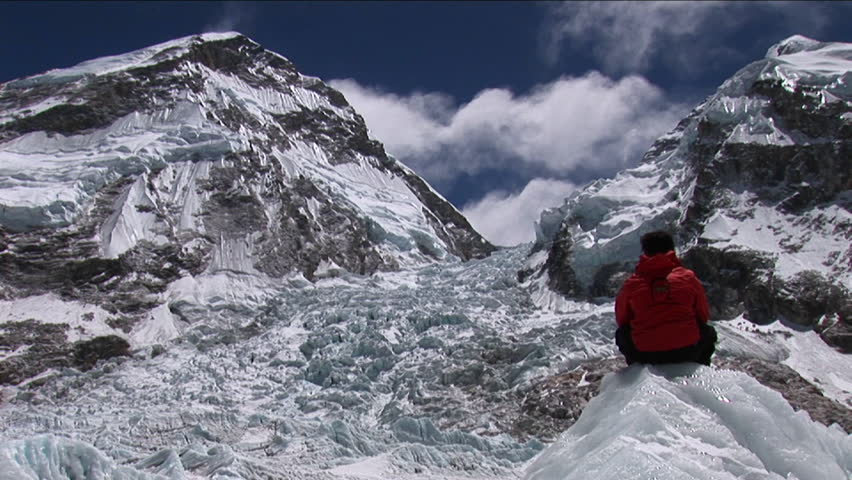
{"x": 199, "y": 171}
{"x": 209, "y": 116}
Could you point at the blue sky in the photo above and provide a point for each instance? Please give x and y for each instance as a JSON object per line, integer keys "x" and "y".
{"x": 505, "y": 107}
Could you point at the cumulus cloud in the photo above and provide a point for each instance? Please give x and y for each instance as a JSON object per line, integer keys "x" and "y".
{"x": 507, "y": 219}
{"x": 630, "y": 36}
{"x": 590, "y": 123}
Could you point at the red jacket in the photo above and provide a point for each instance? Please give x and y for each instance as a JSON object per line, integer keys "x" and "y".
{"x": 663, "y": 303}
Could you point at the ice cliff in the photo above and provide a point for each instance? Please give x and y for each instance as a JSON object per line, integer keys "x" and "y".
{"x": 670, "y": 422}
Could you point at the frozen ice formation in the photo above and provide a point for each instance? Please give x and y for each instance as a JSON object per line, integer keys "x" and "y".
{"x": 692, "y": 422}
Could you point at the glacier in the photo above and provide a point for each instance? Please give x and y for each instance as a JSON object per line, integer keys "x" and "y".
{"x": 437, "y": 361}
{"x": 682, "y": 421}
{"x": 395, "y": 375}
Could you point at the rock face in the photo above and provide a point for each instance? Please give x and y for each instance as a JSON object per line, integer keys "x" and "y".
{"x": 45, "y": 347}
{"x": 755, "y": 183}
{"x": 201, "y": 156}
{"x": 555, "y": 402}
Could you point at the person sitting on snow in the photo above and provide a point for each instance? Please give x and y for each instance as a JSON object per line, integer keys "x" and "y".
{"x": 662, "y": 310}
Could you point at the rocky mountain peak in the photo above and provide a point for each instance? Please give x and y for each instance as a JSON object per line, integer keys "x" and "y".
{"x": 200, "y": 158}
{"x": 793, "y": 44}
{"x": 756, "y": 184}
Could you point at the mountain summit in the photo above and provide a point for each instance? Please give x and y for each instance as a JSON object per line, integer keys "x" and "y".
{"x": 198, "y": 127}
{"x": 207, "y": 155}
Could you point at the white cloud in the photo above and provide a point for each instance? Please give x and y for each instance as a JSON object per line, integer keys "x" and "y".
{"x": 507, "y": 220}
{"x": 629, "y": 36}
{"x": 590, "y": 122}
{"x": 406, "y": 125}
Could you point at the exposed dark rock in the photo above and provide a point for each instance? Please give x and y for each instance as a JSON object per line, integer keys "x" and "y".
{"x": 299, "y": 242}
{"x": 98, "y": 102}
{"x": 101, "y": 100}
{"x": 123, "y": 323}
{"x": 233, "y": 116}
{"x": 43, "y": 346}
{"x": 64, "y": 259}
{"x": 609, "y": 279}
{"x": 802, "y": 109}
{"x": 735, "y": 281}
{"x": 242, "y": 57}
{"x": 554, "y": 403}
{"x": 801, "y": 394}
{"x": 837, "y": 333}
{"x": 65, "y": 119}
{"x": 809, "y": 296}
{"x": 742, "y": 281}
{"x": 337, "y": 136}
{"x": 92, "y": 271}
{"x": 559, "y": 266}
{"x": 795, "y": 177}
{"x": 335, "y": 97}
{"x": 87, "y": 353}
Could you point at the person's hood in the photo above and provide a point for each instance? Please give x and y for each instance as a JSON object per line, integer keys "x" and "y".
{"x": 657, "y": 265}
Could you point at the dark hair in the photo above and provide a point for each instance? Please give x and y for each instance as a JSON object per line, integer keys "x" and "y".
{"x": 657, "y": 242}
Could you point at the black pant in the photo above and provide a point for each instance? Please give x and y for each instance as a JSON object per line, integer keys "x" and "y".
{"x": 701, "y": 352}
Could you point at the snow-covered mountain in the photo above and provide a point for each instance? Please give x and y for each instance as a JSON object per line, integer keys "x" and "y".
{"x": 127, "y": 183}
{"x": 211, "y": 271}
{"x": 756, "y": 181}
